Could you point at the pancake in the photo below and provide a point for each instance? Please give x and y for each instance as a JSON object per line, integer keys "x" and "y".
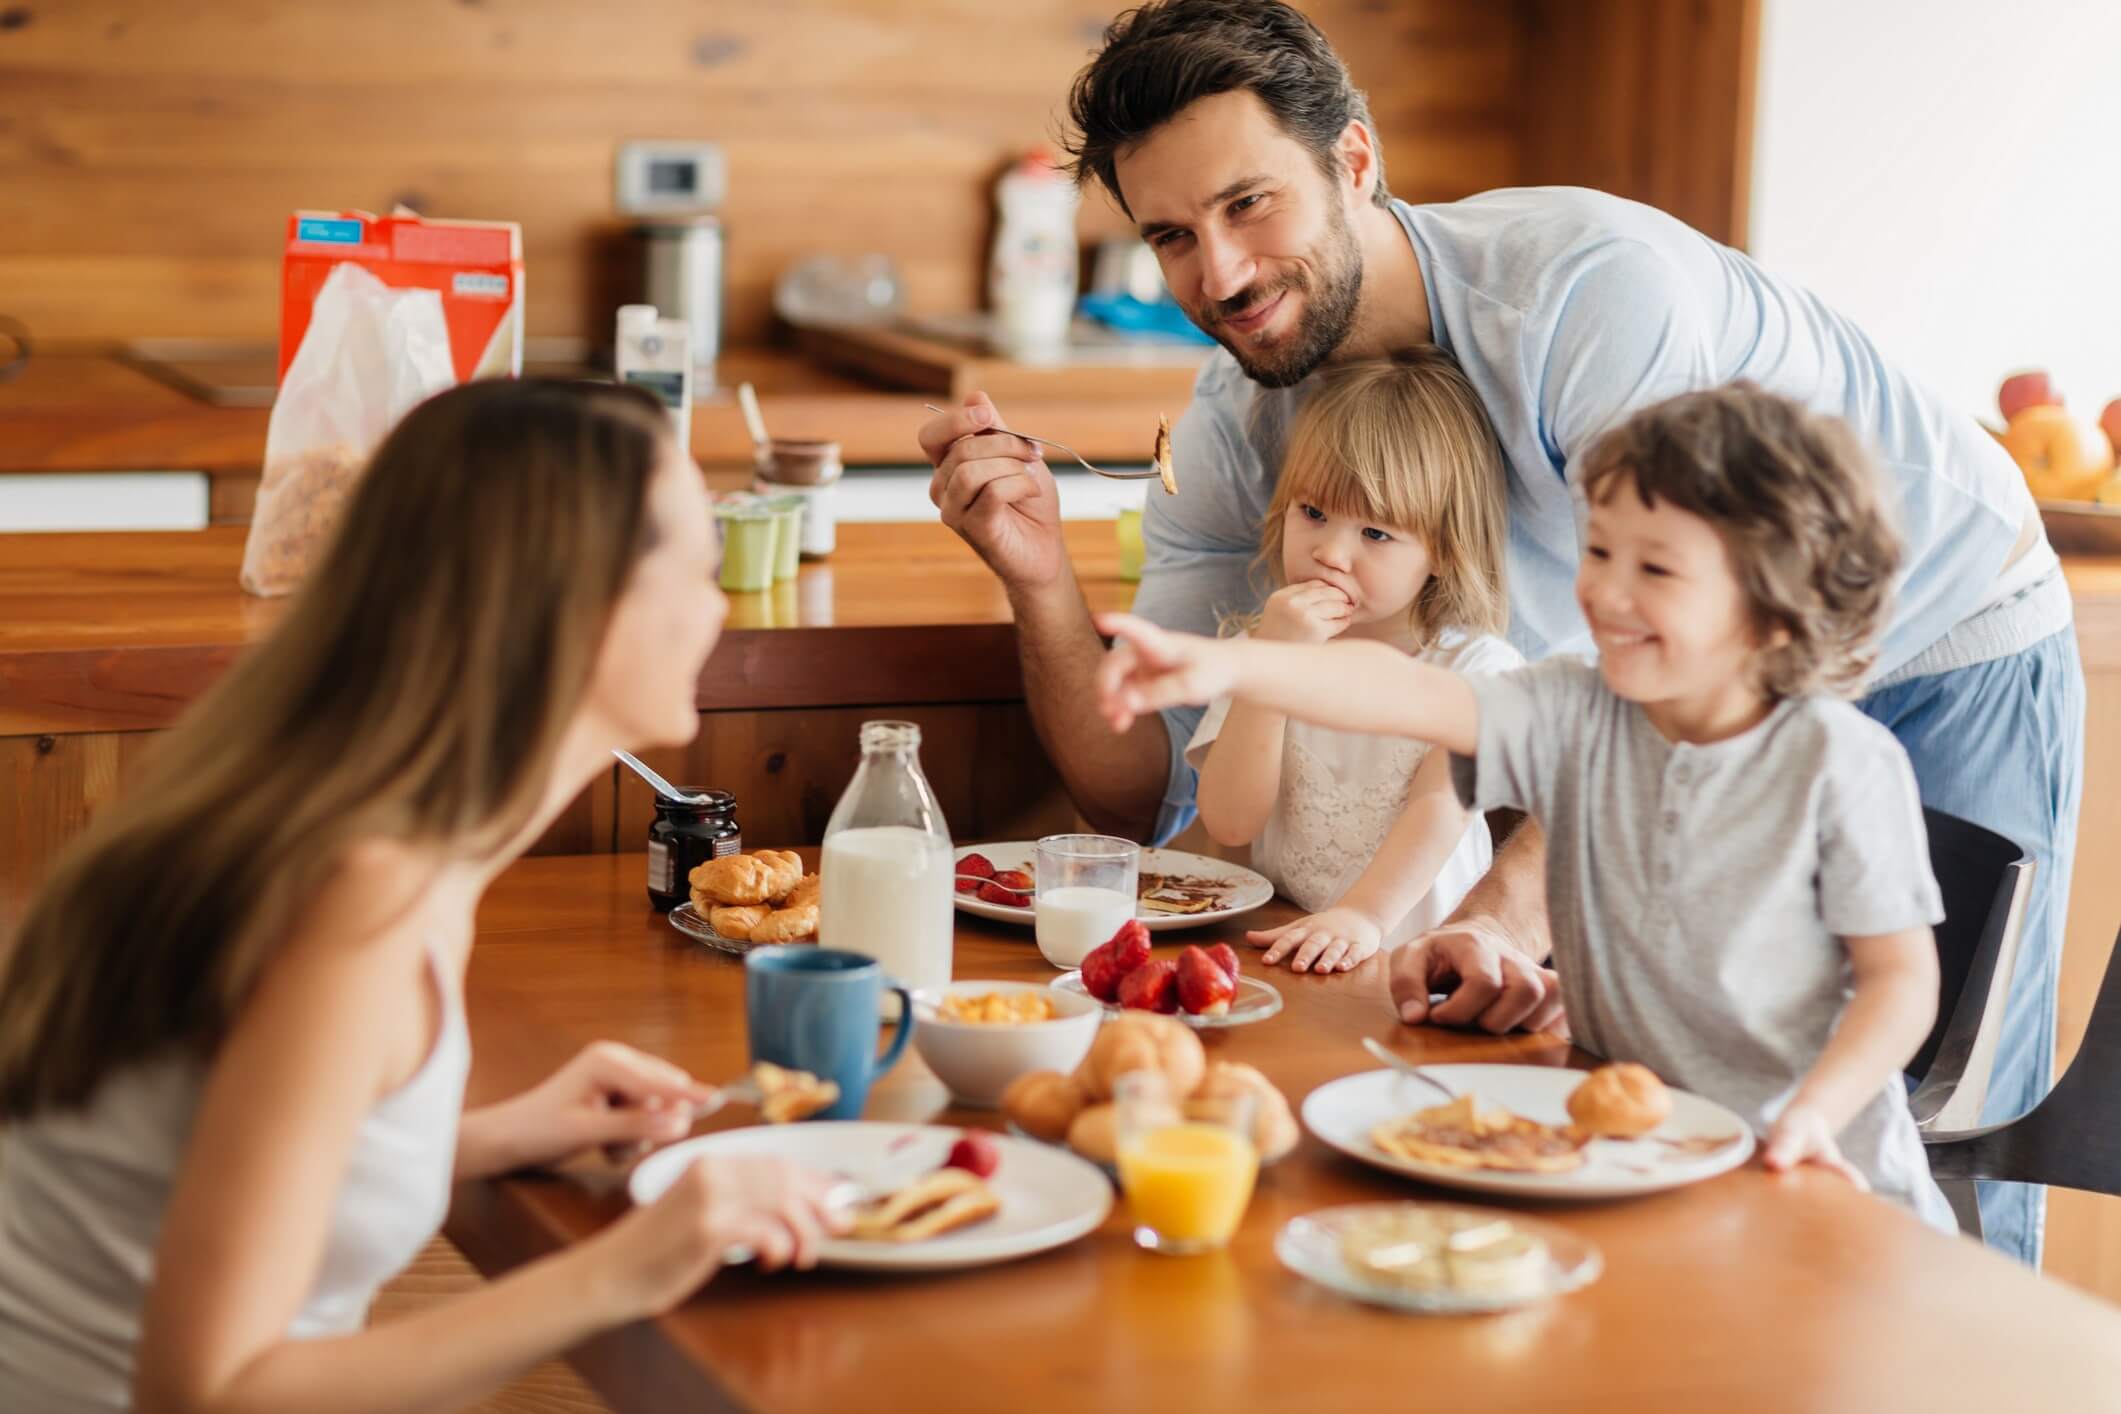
{"x": 1461, "y": 1135}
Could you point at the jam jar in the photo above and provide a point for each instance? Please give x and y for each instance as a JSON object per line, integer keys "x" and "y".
{"x": 685, "y": 835}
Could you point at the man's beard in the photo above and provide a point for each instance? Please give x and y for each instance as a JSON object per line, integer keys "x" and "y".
{"x": 1328, "y": 314}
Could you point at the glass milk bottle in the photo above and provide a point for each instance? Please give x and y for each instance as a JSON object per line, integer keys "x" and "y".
{"x": 888, "y": 864}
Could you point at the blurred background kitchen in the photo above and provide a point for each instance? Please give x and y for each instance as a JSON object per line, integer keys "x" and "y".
{"x": 818, "y": 187}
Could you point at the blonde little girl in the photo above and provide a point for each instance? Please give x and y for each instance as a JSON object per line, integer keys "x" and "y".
{"x": 1738, "y": 878}
{"x": 1386, "y": 525}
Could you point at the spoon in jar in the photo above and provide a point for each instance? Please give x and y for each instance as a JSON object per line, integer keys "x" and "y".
{"x": 661, "y": 787}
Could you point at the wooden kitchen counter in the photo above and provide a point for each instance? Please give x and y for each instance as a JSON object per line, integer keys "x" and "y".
{"x": 119, "y": 631}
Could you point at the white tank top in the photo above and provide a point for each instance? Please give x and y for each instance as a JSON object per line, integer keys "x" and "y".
{"x": 82, "y": 1196}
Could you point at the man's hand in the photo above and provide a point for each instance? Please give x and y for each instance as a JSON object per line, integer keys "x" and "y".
{"x": 1492, "y": 985}
{"x": 1311, "y": 611}
{"x": 995, "y": 492}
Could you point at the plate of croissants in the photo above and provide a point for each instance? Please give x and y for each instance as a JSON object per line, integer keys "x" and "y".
{"x": 745, "y": 901}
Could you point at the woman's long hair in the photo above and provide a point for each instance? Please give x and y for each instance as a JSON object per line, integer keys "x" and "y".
{"x": 1404, "y": 443}
{"x": 416, "y": 691}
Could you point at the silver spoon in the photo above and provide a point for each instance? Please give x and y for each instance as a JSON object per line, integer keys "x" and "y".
{"x": 662, "y": 787}
{"x": 1407, "y": 1068}
{"x": 1152, "y": 474}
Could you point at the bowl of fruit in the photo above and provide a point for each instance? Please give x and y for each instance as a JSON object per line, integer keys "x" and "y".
{"x": 2068, "y": 462}
{"x": 1203, "y": 987}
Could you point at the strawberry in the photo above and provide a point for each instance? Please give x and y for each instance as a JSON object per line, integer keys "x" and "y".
{"x": 971, "y": 869}
{"x": 1225, "y": 957}
{"x": 1151, "y": 987}
{"x": 1204, "y": 989}
{"x": 1130, "y": 945}
{"x": 1102, "y": 973}
{"x": 1008, "y": 886}
{"x": 975, "y": 1153}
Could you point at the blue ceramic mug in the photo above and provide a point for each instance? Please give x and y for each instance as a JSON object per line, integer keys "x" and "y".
{"x": 819, "y": 1009}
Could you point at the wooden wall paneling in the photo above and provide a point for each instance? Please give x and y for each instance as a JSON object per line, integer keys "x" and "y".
{"x": 53, "y": 785}
{"x": 50, "y": 786}
{"x": 788, "y": 770}
{"x": 1649, "y": 99}
{"x": 2084, "y": 1229}
{"x": 206, "y": 123}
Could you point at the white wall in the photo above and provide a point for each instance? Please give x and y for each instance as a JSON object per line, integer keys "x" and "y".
{"x": 1948, "y": 173}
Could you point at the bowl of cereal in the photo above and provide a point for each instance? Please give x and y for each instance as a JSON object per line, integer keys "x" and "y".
{"x": 978, "y": 1036}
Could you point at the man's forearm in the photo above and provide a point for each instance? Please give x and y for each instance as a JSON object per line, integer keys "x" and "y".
{"x": 1514, "y": 893}
{"x": 1117, "y": 782}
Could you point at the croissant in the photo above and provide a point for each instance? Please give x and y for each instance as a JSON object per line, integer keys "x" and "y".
{"x": 738, "y": 923}
{"x": 786, "y": 925}
{"x": 743, "y": 879}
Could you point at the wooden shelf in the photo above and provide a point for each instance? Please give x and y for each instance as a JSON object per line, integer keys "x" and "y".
{"x": 95, "y": 413}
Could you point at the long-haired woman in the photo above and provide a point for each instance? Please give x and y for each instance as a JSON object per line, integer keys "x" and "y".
{"x": 232, "y": 1041}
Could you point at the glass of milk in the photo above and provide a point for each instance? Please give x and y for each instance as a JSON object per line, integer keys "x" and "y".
{"x": 1086, "y": 889}
{"x": 888, "y": 872}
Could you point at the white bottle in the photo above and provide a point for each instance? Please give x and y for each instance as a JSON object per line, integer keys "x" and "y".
{"x": 887, "y": 866}
{"x": 656, "y": 353}
{"x": 1031, "y": 279}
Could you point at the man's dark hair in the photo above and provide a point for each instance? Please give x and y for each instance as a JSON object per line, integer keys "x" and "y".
{"x": 1168, "y": 54}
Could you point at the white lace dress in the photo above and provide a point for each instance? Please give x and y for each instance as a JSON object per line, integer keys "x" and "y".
{"x": 1340, "y": 794}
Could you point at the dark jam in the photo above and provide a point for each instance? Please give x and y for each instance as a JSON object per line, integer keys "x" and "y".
{"x": 685, "y": 836}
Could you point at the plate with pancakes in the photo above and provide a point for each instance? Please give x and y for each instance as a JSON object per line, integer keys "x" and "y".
{"x": 1512, "y": 1130}
{"x": 1175, "y": 889}
{"x": 923, "y": 1215}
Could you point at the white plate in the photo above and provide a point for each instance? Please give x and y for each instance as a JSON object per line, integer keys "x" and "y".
{"x": 1255, "y": 1001}
{"x": 1310, "y": 1247}
{"x": 1343, "y": 1112}
{"x": 1248, "y": 890}
{"x": 1049, "y": 1197}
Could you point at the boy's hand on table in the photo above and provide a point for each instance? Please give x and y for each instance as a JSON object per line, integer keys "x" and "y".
{"x": 1802, "y": 1135}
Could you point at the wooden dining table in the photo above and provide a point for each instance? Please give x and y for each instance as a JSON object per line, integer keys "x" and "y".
{"x": 1750, "y": 1291}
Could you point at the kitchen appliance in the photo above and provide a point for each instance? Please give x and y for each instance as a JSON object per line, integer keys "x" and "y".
{"x": 682, "y": 275}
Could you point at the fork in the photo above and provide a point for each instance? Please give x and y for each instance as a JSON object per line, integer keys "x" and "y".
{"x": 1152, "y": 474}
{"x": 1407, "y": 1068}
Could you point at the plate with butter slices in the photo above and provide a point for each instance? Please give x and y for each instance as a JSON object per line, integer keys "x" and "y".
{"x": 1434, "y": 1259}
{"x": 925, "y": 1197}
{"x": 1513, "y": 1129}
{"x": 1175, "y": 889}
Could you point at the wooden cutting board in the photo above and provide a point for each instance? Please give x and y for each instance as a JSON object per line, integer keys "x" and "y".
{"x": 949, "y": 356}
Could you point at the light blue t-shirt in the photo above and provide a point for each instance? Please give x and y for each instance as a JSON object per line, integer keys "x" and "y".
{"x": 1569, "y": 309}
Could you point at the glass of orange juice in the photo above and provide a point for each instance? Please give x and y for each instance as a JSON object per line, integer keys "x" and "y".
{"x": 1187, "y": 1168}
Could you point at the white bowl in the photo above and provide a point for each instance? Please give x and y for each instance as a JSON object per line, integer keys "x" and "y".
{"x": 979, "y": 1060}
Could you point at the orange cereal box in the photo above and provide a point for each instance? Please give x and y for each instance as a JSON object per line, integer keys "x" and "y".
{"x": 475, "y": 266}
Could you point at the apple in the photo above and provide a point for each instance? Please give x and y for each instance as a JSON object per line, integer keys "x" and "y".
{"x": 2025, "y": 390}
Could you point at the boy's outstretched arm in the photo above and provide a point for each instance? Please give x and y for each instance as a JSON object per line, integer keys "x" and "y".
{"x": 1354, "y": 687}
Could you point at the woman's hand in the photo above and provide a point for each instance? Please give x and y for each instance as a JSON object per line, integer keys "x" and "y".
{"x": 1333, "y": 941}
{"x": 1311, "y": 611}
{"x": 1150, "y": 669}
{"x": 610, "y": 1095}
{"x": 656, "y": 1256}
{"x": 1802, "y": 1135}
